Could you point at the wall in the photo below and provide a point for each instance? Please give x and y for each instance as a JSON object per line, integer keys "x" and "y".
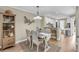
{"x": 62, "y": 24}
{"x": 20, "y": 27}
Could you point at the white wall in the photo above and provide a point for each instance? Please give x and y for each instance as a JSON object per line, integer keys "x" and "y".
{"x": 62, "y": 24}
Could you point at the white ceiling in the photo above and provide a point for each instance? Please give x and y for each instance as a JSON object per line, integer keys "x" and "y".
{"x": 49, "y": 10}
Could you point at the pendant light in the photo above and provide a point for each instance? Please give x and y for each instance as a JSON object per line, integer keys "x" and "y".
{"x": 38, "y": 17}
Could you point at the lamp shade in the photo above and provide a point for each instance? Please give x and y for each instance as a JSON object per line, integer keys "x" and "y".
{"x": 37, "y": 18}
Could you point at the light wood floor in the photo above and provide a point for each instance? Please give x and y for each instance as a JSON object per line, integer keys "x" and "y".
{"x": 67, "y": 44}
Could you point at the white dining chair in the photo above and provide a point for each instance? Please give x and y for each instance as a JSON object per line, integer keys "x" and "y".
{"x": 35, "y": 40}
{"x": 47, "y": 37}
{"x": 28, "y": 37}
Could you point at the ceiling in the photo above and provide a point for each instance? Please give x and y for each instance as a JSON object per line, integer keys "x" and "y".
{"x": 48, "y": 10}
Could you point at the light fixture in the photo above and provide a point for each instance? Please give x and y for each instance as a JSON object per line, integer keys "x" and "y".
{"x": 38, "y": 17}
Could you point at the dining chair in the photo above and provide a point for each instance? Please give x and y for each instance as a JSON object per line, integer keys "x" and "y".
{"x": 47, "y": 38}
{"x": 35, "y": 40}
{"x": 28, "y": 33}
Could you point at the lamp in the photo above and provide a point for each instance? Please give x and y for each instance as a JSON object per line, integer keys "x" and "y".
{"x": 38, "y": 16}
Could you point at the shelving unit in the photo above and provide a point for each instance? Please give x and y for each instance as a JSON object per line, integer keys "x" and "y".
{"x": 54, "y": 34}
{"x": 8, "y": 29}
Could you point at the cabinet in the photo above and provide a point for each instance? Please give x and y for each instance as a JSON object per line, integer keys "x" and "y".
{"x": 7, "y": 36}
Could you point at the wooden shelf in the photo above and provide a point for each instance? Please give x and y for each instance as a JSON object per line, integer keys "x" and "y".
{"x": 8, "y": 22}
{"x": 54, "y": 34}
{"x": 8, "y": 29}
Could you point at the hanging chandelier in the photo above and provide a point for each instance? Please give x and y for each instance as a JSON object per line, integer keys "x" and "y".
{"x": 38, "y": 16}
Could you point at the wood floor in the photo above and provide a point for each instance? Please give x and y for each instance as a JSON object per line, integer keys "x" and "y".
{"x": 67, "y": 44}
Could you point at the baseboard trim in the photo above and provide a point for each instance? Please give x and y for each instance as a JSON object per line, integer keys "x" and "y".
{"x": 20, "y": 41}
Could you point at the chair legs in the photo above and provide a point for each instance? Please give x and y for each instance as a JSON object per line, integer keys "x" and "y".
{"x": 29, "y": 45}
{"x": 32, "y": 46}
{"x": 46, "y": 46}
{"x": 37, "y": 48}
